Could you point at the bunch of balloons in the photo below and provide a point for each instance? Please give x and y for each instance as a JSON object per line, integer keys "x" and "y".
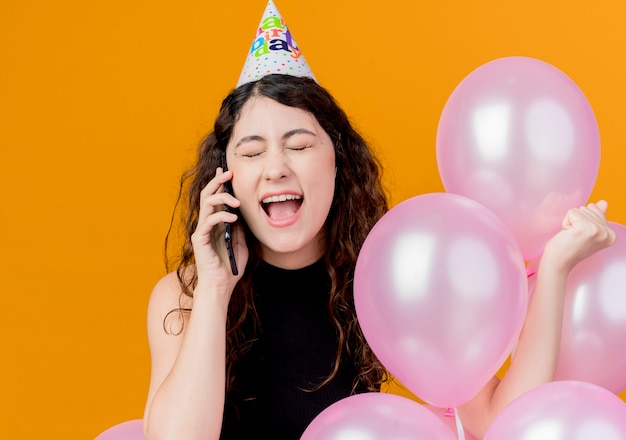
{"x": 562, "y": 410}
{"x": 441, "y": 287}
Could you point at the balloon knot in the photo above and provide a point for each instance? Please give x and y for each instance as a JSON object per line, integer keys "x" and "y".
{"x": 529, "y": 272}
{"x": 449, "y": 412}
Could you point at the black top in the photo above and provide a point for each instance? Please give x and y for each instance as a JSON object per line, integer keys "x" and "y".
{"x": 295, "y": 352}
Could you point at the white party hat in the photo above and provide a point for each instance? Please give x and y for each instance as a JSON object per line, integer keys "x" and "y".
{"x": 273, "y": 50}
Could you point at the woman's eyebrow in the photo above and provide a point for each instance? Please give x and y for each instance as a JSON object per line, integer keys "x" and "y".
{"x": 297, "y": 131}
{"x": 251, "y": 138}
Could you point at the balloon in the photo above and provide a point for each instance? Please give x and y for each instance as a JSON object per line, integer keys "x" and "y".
{"x": 130, "y": 430}
{"x": 440, "y": 292}
{"x": 518, "y": 136}
{"x": 594, "y": 318}
{"x": 376, "y": 416}
{"x": 563, "y": 410}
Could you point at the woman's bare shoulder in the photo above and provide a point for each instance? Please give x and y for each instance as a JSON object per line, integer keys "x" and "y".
{"x": 168, "y": 301}
{"x": 169, "y": 287}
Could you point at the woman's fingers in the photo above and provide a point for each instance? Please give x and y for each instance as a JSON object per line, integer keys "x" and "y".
{"x": 212, "y": 201}
{"x": 208, "y": 237}
{"x": 585, "y": 232}
{"x": 213, "y": 195}
{"x": 602, "y": 205}
{"x": 593, "y": 213}
{"x": 212, "y": 211}
{"x": 216, "y": 182}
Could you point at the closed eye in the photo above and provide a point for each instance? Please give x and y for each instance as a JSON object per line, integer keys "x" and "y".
{"x": 299, "y": 148}
{"x": 254, "y": 154}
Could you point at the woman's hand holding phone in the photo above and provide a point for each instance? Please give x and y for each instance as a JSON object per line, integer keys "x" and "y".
{"x": 208, "y": 239}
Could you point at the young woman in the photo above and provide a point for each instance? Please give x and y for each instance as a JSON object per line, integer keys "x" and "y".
{"x": 263, "y": 352}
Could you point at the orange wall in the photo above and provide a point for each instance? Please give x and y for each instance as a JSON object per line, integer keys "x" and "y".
{"x": 103, "y": 102}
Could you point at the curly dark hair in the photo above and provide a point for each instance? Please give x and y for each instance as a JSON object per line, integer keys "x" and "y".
{"x": 359, "y": 201}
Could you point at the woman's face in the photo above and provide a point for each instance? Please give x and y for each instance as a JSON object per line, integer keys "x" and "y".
{"x": 283, "y": 166}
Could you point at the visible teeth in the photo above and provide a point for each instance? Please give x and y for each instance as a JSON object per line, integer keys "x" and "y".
{"x": 281, "y": 198}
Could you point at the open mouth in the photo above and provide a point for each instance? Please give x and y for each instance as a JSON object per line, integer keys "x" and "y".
{"x": 281, "y": 207}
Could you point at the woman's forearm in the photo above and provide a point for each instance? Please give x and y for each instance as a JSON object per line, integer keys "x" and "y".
{"x": 536, "y": 355}
{"x": 535, "y": 358}
{"x": 189, "y": 403}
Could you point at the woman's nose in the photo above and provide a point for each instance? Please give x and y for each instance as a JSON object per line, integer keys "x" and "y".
{"x": 275, "y": 166}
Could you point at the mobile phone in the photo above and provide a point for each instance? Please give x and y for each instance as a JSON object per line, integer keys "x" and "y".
{"x": 228, "y": 187}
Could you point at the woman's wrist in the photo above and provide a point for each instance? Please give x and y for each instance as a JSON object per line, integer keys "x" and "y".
{"x": 212, "y": 295}
{"x": 555, "y": 259}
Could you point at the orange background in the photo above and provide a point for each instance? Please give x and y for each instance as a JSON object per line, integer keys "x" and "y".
{"x": 102, "y": 104}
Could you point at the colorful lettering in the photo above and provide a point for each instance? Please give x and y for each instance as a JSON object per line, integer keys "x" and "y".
{"x": 263, "y": 50}
{"x": 257, "y": 44}
{"x": 279, "y": 45}
{"x": 272, "y": 22}
{"x": 269, "y": 38}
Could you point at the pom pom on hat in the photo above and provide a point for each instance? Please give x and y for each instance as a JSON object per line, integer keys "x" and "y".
{"x": 273, "y": 50}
